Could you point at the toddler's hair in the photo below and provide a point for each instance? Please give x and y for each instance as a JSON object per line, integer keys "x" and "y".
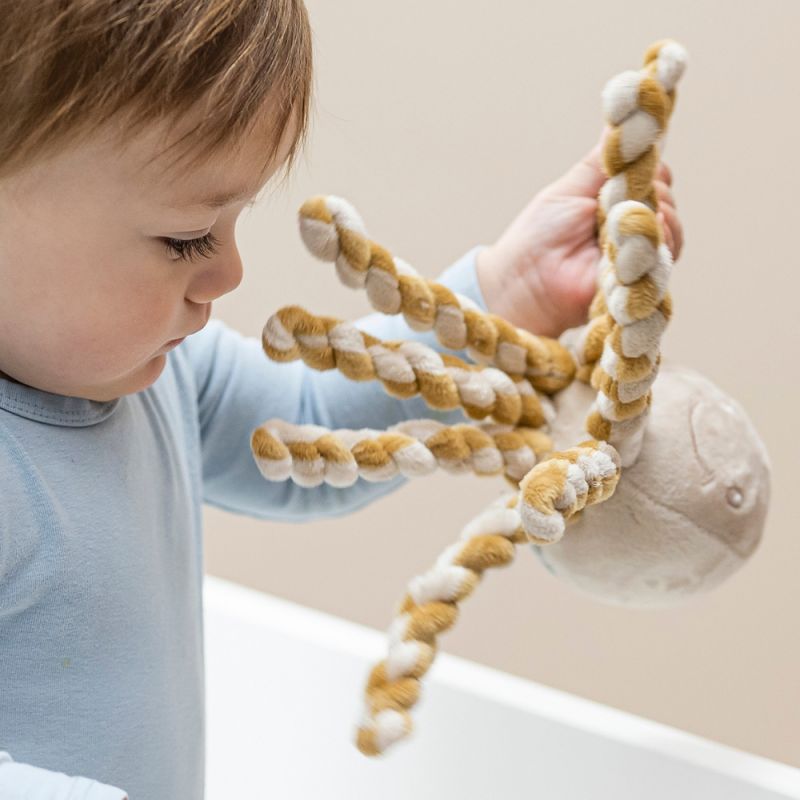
{"x": 68, "y": 67}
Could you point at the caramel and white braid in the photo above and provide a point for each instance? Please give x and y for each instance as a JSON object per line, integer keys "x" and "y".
{"x": 563, "y": 485}
{"x": 404, "y": 368}
{"x": 634, "y": 284}
{"x": 619, "y": 350}
{"x": 311, "y": 455}
{"x": 333, "y": 231}
{"x": 637, "y": 105}
{"x": 551, "y": 493}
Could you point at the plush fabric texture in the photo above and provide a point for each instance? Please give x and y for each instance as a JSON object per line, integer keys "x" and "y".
{"x": 686, "y": 515}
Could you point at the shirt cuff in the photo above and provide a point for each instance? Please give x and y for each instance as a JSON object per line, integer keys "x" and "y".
{"x": 462, "y": 277}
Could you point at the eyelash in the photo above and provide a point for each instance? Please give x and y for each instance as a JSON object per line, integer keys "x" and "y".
{"x": 189, "y": 249}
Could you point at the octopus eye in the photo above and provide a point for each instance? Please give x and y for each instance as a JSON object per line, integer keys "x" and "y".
{"x": 734, "y": 496}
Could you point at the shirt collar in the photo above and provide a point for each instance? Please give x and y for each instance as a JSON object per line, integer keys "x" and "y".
{"x": 53, "y": 409}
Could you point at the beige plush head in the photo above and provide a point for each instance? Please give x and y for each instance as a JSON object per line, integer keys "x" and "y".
{"x": 685, "y": 516}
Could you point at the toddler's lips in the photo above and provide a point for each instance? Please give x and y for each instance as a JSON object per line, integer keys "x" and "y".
{"x": 176, "y": 342}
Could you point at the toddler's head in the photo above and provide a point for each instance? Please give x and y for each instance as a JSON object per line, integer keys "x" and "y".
{"x": 134, "y": 133}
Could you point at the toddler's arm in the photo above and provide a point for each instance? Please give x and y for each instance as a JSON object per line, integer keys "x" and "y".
{"x": 540, "y": 275}
{"x": 25, "y": 782}
{"x": 239, "y": 388}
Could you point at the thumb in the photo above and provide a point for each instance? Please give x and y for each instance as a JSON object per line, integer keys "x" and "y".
{"x": 587, "y": 176}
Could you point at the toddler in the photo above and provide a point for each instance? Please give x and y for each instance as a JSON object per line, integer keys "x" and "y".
{"x": 134, "y": 133}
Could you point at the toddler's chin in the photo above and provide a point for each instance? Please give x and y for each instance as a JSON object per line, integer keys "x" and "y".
{"x": 135, "y": 381}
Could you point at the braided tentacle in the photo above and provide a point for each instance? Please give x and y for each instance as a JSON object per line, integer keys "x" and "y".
{"x": 634, "y": 283}
{"x": 577, "y": 477}
{"x": 564, "y": 484}
{"x": 619, "y": 350}
{"x": 638, "y": 105}
{"x": 311, "y": 455}
{"x": 404, "y": 368}
{"x": 333, "y": 231}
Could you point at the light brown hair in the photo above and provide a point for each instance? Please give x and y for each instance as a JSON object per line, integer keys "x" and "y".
{"x": 68, "y": 67}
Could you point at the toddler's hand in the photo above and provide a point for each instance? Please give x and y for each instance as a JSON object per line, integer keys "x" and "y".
{"x": 541, "y": 273}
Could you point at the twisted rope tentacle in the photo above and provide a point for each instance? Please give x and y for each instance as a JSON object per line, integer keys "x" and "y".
{"x": 333, "y": 231}
{"x": 638, "y": 105}
{"x": 404, "y": 368}
{"x": 555, "y": 489}
{"x": 635, "y": 287}
{"x": 619, "y": 350}
{"x": 311, "y": 455}
{"x": 564, "y": 484}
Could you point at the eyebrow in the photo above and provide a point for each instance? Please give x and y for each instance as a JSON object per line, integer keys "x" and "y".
{"x": 222, "y": 198}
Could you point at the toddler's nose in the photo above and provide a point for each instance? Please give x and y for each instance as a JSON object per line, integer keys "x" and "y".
{"x": 222, "y": 275}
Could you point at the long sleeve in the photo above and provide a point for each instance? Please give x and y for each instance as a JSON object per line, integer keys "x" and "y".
{"x": 239, "y": 388}
{"x": 26, "y": 782}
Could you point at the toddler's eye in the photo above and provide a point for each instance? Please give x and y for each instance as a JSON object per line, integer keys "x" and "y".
{"x": 188, "y": 249}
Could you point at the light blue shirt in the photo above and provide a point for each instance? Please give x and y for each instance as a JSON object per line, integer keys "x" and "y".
{"x": 101, "y": 562}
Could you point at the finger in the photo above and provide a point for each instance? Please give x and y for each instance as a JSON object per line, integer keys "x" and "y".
{"x": 587, "y": 176}
{"x": 673, "y": 230}
{"x": 604, "y": 137}
{"x": 664, "y": 173}
{"x": 664, "y": 194}
{"x": 594, "y": 158}
{"x": 668, "y": 239}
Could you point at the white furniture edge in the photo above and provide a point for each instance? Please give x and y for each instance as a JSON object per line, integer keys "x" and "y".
{"x": 311, "y": 625}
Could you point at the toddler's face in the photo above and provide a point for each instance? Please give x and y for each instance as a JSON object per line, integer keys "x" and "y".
{"x": 91, "y": 290}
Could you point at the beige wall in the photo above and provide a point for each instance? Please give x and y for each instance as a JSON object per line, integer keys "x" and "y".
{"x": 439, "y": 119}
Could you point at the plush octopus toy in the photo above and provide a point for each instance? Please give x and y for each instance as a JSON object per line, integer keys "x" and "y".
{"x": 561, "y": 420}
